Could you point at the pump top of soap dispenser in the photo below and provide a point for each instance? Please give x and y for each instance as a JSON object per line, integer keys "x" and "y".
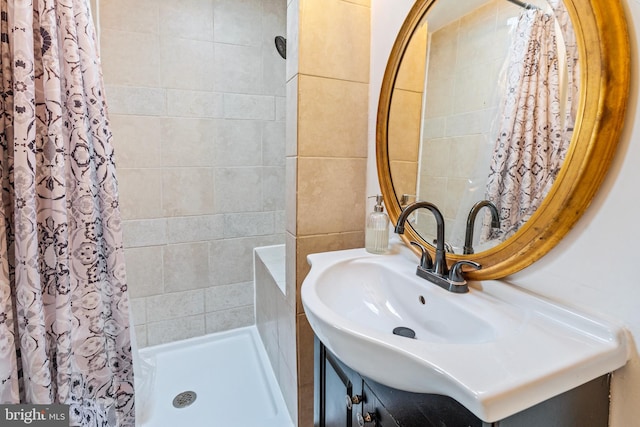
{"x": 378, "y": 207}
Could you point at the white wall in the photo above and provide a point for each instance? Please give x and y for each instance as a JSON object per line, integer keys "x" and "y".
{"x": 386, "y": 19}
{"x": 594, "y": 267}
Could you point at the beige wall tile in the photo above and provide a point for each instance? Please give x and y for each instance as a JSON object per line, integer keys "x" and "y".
{"x": 291, "y": 194}
{"x": 144, "y": 232}
{"x": 469, "y": 123}
{"x": 187, "y": 191}
{"x": 136, "y": 140}
{"x": 443, "y": 51}
{"x": 232, "y": 259}
{"x": 140, "y": 332}
{"x": 332, "y": 118}
{"x": 304, "y": 335}
{"x": 144, "y": 271}
{"x": 187, "y": 142}
{"x": 273, "y": 143}
{"x": 238, "y": 69}
{"x": 194, "y": 103}
{"x": 186, "y": 267}
{"x": 475, "y": 87}
{"x": 195, "y": 228}
{"x": 125, "y": 15}
{"x": 293, "y": 39}
{"x": 334, "y": 40}
{"x": 224, "y": 320}
{"x": 477, "y": 31}
{"x": 175, "y": 329}
{"x": 437, "y": 158}
{"x": 238, "y": 189}
{"x": 238, "y": 143}
{"x": 305, "y": 371}
{"x": 466, "y": 151}
{"x": 305, "y": 406}
{"x": 434, "y": 127}
{"x": 434, "y": 190}
{"x": 289, "y": 385}
{"x": 287, "y": 335}
{"x": 331, "y": 195}
{"x": 273, "y": 193}
{"x": 246, "y": 224}
{"x": 405, "y": 177}
{"x": 189, "y": 19}
{"x": 405, "y": 119}
{"x": 249, "y": 107}
{"x": 456, "y": 188}
{"x": 175, "y": 305}
{"x": 360, "y": 2}
{"x": 141, "y": 101}
{"x": 140, "y": 193}
{"x": 291, "y": 148}
{"x": 186, "y": 64}
{"x": 291, "y": 269}
{"x": 281, "y": 108}
{"x": 440, "y": 97}
{"x": 237, "y": 22}
{"x": 138, "y": 310}
{"x": 273, "y": 69}
{"x": 411, "y": 74}
{"x": 225, "y": 297}
{"x": 130, "y": 59}
{"x": 280, "y": 222}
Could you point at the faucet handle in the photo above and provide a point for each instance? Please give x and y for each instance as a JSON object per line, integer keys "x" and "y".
{"x": 425, "y": 258}
{"x": 455, "y": 274}
{"x": 404, "y": 200}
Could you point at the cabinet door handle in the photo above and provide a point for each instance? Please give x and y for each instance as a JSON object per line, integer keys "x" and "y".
{"x": 367, "y": 417}
{"x": 353, "y": 400}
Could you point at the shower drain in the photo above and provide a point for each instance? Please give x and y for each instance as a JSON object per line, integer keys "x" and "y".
{"x": 184, "y": 399}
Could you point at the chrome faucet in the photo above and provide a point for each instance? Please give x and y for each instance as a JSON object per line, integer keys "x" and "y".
{"x": 436, "y": 272}
{"x": 471, "y": 219}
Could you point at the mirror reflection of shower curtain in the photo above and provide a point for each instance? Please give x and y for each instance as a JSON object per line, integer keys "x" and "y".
{"x": 531, "y": 142}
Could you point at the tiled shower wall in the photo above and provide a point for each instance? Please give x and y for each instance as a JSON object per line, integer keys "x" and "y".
{"x": 196, "y": 94}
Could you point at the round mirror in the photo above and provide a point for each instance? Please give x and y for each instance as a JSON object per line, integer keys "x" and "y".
{"x": 505, "y": 115}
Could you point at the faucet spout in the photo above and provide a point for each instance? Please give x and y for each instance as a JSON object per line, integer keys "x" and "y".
{"x": 471, "y": 219}
{"x": 440, "y": 265}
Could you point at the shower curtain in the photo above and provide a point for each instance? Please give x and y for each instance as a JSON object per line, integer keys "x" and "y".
{"x": 64, "y": 328}
{"x": 532, "y": 137}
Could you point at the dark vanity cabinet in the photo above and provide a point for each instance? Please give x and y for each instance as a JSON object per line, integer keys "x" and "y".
{"x": 343, "y": 398}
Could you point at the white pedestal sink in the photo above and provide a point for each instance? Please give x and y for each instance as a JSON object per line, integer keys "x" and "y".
{"x": 497, "y": 350}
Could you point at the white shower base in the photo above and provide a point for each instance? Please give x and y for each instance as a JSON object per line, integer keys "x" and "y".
{"x": 229, "y": 372}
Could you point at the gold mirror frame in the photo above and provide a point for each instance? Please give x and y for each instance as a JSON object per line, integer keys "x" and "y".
{"x": 603, "y": 43}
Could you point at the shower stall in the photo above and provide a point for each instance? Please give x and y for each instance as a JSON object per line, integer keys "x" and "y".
{"x": 196, "y": 96}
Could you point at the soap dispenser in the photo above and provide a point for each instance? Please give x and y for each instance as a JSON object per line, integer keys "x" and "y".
{"x": 376, "y": 238}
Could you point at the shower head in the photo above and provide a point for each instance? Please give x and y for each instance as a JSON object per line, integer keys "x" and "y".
{"x": 281, "y": 46}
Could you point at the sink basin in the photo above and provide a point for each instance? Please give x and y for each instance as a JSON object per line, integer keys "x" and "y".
{"x": 497, "y": 350}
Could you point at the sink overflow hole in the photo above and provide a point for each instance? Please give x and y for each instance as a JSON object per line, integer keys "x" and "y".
{"x": 184, "y": 399}
{"x": 404, "y": 332}
{"x": 422, "y": 300}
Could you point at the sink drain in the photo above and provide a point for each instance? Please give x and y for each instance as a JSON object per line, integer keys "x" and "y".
{"x": 184, "y": 399}
{"x": 404, "y": 332}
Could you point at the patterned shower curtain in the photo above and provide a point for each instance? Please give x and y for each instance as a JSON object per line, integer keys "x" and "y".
{"x": 64, "y": 328}
{"x": 532, "y": 138}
